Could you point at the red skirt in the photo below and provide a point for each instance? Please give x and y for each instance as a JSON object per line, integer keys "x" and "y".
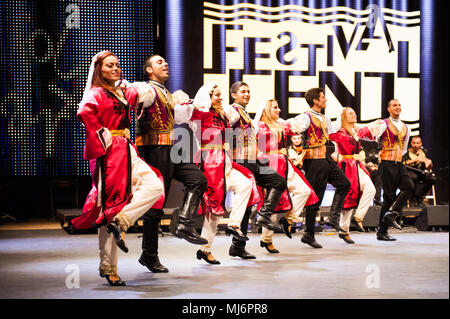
{"x": 350, "y": 168}
{"x": 114, "y": 171}
{"x": 279, "y": 163}
{"x": 212, "y": 164}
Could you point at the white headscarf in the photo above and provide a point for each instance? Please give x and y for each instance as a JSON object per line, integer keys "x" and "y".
{"x": 90, "y": 75}
{"x": 260, "y": 111}
{"x": 203, "y": 96}
{"x": 203, "y": 100}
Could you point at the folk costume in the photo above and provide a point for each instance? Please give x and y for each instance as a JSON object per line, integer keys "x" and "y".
{"x": 320, "y": 169}
{"x": 245, "y": 151}
{"x": 222, "y": 174}
{"x": 156, "y": 117}
{"x": 393, "y": 140}
{"x": 362, "y": 191}
{"x": 272, "y": 143}
{"x": 124, "y": 187}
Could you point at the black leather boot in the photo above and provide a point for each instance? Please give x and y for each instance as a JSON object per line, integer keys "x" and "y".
{"x": 185, "y": 228}
{"x": 240, "y": 252}
{"x": 149, "y": 257}
{"x": 151, "y": 261}
{"x": 270, "y": 203}
{"x": 335, "y": 212}
{"x": 384, "y": 236}
{"x": 390, "y": 219}
{"x": 393, "y": 212}
{"x": 309, "y": 239}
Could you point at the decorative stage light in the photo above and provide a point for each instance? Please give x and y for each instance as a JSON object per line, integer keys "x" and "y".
{"x": 44, "y": 58}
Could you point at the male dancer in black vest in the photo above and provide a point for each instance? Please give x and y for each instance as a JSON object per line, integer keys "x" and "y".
{"x": 156, "y": 117}
{"x": 319, "y": 168}
{"x": 245, "y": 153}
{"x": 393, "y": 138}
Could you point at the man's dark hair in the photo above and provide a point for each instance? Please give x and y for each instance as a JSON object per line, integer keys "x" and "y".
{"x": 236, "y": 86}
{"x": 313, "y": 94}
{"x": 147, "y": 63}
{"x": 390, "y": 102}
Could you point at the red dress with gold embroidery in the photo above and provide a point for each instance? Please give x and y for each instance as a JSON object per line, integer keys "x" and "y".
{"x": 110, "y": 167}
{"x": 348, "y": 146}
{"x": 211, "y": 160}
{"x": 273, "y": 151}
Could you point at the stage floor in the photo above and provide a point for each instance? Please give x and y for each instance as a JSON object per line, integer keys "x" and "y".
{"x": 45, "y": 263}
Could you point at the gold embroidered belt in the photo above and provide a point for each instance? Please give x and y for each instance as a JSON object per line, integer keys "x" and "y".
{"x": 354, "y": 156}
{"x": 125, "y": 133}
{"x": 282, "y": 151}
{"x": 215, "y": 146}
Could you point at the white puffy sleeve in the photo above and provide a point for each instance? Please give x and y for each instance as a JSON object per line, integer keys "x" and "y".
{"x": 146, "y": 93}
{"x": 232, "y": 115}
{"x": 300, "y": 123}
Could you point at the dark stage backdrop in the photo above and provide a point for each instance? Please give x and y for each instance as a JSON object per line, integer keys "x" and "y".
{"x": 363, "y": 52}
{"x": 45, "y": 53}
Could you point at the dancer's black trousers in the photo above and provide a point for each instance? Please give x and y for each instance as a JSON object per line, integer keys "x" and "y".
{"x": 318, "y": 173}
{"x": 265, "y": 177}
{"x": 394, "y": 175}
{"x": 189, "y": 174}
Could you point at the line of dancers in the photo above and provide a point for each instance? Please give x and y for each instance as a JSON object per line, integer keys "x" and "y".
{"x": 236, "y": 154}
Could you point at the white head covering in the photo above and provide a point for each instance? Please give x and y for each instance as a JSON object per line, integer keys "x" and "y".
{"x": 203, "y": 100}
{"x": 203, "y": 96}
{"x": 91, "y": 74}
{"x": 338, "y": 123}
{"x": 260, "y": 111}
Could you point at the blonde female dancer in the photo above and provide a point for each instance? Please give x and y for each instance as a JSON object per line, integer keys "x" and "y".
{"x": 362, "y": 191}
{"x": 272, "y": 141}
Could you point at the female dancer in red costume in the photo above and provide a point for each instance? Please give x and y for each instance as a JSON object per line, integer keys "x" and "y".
{"x": 272, "y": 143}
{"x": 124, "y": 187}
{"x": 362, "y": 191}
{"x": 221, "y": 172}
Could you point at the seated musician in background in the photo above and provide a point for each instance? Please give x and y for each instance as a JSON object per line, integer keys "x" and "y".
{"x": 295, "y": 151}
{"x": 419, "y": 168}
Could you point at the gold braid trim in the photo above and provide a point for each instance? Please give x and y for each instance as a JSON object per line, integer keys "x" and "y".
{"x": 168, "y": 104}
{"x": 315, "y": 141}
{"x": 124, "y": 133}
{"x": 388, "y": 145}
{"x": 109, "y": 270}
{"x": 123, "y": 221}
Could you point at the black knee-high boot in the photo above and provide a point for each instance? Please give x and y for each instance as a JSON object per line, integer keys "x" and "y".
{"x": 310, "y": 221}
{"x": 185, "y": 228}
{"x": 149, "y": 256}
{"x": 335, "y": 211}
{"x": 270, "y": 203}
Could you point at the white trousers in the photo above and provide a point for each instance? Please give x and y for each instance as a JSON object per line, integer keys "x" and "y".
{"x": 368, "y": 193}
{"x": 146, "y": 190}
{"x": 300, "y": 193}
{"x": 241, "y": 186}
